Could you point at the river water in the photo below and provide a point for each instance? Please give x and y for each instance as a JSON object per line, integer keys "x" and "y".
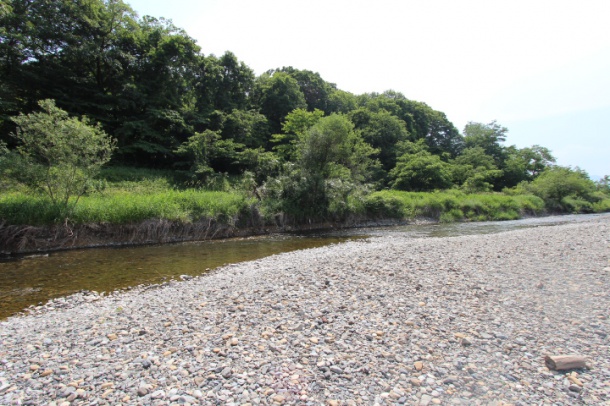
{"x": 34, "y": 280}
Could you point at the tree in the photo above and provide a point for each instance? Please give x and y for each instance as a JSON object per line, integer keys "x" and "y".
{"x": 199, "y": 149}
{"x": 247, "y": 127}
{"x": 524, "y": 164}
{"x": 474, "y": 170}
{"x": 419, "y": 170}
{"x": 278, "y": 95}
{"x": 227, "y": 83}
{"x": 422, "y": 122}
{"x": 340, "y": 101}
{"x": 315, "y": 89}
{"x": 332, "y": 146}
{"x": 294, "y": 127}
{"x": 137, "y": 77}
{"x": 603, "y": 185}
{"x": 157, "y": 106}
{"x": 75, "y": 52}
{"x": 62, "y": 153}
{"x": 382, "y": 131}
{"x": 487, "y": 136}
{"x": 331, "y": 167}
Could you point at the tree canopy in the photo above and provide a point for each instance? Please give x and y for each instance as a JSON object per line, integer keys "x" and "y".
{"x": 150, "y": 86}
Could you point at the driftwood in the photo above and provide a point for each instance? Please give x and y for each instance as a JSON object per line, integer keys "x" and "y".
{"x": 564, "y": 362}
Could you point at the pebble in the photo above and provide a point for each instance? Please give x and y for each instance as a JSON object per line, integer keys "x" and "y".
{"x": 425, "y": 400}
{"x": 226, "y": 373}
{"x": 387, "y": 320}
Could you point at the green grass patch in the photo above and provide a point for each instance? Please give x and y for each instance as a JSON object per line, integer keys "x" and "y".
{"x": 120, "y": 207}
{"x": 452, "y": 205}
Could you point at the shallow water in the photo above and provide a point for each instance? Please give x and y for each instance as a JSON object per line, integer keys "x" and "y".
{"x": 34, "y": 280}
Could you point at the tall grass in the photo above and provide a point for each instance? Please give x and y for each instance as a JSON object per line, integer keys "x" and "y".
{"x": 124, "y": 207}
{"x": 131, "y": 195}
{"x": 451, "y": 205}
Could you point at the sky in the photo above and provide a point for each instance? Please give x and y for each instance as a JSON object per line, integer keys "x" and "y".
{"x": 541, "y": 68}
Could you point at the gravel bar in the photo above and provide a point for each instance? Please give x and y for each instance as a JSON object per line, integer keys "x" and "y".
{"x": 389, "y": 320}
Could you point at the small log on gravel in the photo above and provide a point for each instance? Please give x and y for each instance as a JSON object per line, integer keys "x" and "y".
{"x": 564, "y": 362}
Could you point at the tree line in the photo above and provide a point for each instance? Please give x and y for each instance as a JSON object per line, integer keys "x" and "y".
{"x": 288, "y": 132}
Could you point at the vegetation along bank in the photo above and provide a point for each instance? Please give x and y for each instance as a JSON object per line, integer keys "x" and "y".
{"x": 116, "y": 128}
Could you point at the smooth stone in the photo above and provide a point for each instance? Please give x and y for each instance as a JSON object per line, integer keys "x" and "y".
{"x": 226, "y": 373}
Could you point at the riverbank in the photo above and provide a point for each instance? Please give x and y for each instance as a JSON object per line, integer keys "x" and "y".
{"x": 30, "y": 224}
{"x": 23, "y": 240}
{"x": 461, "y": 320}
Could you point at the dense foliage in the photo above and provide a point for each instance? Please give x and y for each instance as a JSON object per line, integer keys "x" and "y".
{"x": 298, "y": 144}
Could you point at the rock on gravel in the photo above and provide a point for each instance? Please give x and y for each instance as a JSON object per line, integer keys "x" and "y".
{"x": 390, "y": 320}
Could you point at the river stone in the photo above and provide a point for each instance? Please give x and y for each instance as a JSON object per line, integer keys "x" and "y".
{"x": 374, "y": 286}
{"x": 226, "y": 373}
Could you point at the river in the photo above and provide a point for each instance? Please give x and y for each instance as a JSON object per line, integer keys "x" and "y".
{"x": 34, "y": 280}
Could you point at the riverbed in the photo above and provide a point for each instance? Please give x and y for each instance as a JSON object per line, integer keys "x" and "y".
{"x": 34, "y": 279}
{"x": 390, "y": 319}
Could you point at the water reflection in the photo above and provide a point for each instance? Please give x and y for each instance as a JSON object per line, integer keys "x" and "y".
{"x": 33, "y": 280}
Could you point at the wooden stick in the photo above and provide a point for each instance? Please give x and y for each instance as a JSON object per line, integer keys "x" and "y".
{"x": 564, "y": 362}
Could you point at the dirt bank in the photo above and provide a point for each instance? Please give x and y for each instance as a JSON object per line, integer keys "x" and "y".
{"x": 19, "y": 240}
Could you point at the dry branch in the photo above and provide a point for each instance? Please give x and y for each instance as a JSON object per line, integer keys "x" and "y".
{"x": 564, "y": 362}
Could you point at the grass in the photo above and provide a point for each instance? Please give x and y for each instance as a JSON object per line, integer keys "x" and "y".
{"x": 448, "y": 206}
{"x": 132, "y": 195}
{"x": 124, "y": 208}
{"x": 129, "y": 195}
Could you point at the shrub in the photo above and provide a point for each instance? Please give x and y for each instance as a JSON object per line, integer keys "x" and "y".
{"x": 564, "y": 189}
{"x": 62, "y": 153}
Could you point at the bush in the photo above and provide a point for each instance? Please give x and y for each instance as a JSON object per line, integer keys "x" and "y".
{"x": 564, "y": 189}
{"x": 62, "y": 153}
{"x": 576, "y": 204}
{"x": 384, "y": 205}
{"x": 602, "y": 206}
{"x": 451, "y": 216}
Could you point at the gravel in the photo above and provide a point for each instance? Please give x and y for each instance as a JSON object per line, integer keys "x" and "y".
{"x": 390, "y": 320}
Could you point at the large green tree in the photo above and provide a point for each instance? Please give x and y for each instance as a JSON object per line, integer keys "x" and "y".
{"x": 296, "y": 124}
{"x": 158, "y": 105}
{"x": 418, "y": 169}
{"x": 226, "y": 84}
{"x": 382, "y": 131}
{"x": 333, "y": 163}
{"x": 278, "y": 94}
{"x": 315, "y": 89}
{"x": 422, "y": 122}
{"x": 474, "y": 170}
{"x": 564, "y": 189}
{"x": 137, "y": 77}
{"x": 489, "y": 137}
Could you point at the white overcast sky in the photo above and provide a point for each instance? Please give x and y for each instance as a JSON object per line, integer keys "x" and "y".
{"x": 539, "y": 67}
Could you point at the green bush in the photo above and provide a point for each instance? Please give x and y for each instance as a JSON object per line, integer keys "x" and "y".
{"x": 576, "y": 204}
{"x": 384, "y": 204}
{"x": 564, "y": 189}
{"x": 601, "y": 206}
{"x": 451, "y": 216}
{"x": 61, "y": 154}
